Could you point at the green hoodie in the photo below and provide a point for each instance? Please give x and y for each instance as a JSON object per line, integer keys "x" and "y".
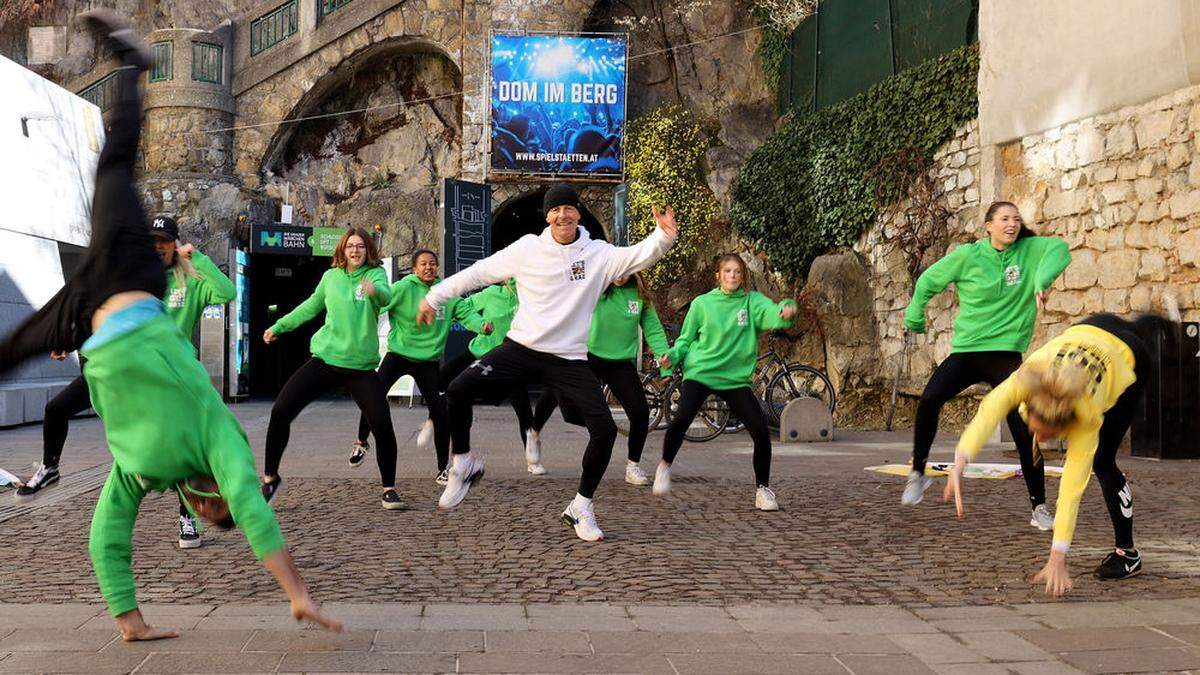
{"x": 164, "y": 423}
{"x": 350, "y": 337}
{"x": 421, "y": 342}
{"x": 498, "y": 303}
{"x": 996, "y": 291}
{"x": 185, "y": 303}
{"x": 614, "y": 332}
{"x": 718, "y": 344}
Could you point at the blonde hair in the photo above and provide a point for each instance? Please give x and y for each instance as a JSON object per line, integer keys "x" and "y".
{"x": 183, "y": 268}
{"x": 1054, "y": 389}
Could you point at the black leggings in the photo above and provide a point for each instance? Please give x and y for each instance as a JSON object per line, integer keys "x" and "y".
{"x": 959, "y": 371}
{"x": 511, "y": 366}
{"x": 518, "y": 396}
{"x": 1117, "y": 495}
{"x": 428, "y": 380}
{"x": 626, "y": 386}
{"x": 120, "y": 255}
{"x": 743, "y": 404}
{"x": 317, "y": 377}
{"x": 69, "y": 402}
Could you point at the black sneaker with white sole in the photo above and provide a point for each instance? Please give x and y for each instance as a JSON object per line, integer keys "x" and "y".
{"x": 359, "y": 453}
{"x": 44, "y": 477}
{"x": 443, "y": 476}
{"x": 188, "y": 536}
{"x": 391, "y": 500}
{"x": 1119, "y": 565}
{"x": 271, "y": 490}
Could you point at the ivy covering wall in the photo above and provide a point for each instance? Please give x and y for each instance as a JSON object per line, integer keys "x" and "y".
{"x": 815, "y": 186}
{"x": 663, "y": 168}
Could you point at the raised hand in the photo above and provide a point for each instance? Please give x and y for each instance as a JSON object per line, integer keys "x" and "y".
{"x": 788, "y": 312}
{"x": 665, "y": 221}
{"x": 487, "y": 328}
{"x": 186, "y": 250}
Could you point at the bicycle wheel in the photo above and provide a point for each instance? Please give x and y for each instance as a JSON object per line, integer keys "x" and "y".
{"x": 795, "y": 381}
{"x": 709, "y": 421}
{"x": 653, "y": 392}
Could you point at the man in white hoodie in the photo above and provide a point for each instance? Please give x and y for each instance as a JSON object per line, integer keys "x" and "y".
{"x": 560, "y": 275}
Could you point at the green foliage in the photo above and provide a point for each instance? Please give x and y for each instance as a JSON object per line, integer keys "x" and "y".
{"x": 814, "y": 186}
{"x": 772, "y": 50}
{"x": 663, "y": 166}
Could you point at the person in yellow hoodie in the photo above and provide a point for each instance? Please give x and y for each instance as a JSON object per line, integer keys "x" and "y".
{"x": 1083, "y": 386}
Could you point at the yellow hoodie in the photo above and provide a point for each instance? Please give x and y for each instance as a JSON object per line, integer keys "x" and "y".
{"x": 1110, "y": 363}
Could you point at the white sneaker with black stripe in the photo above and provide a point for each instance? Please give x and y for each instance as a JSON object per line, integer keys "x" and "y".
{"x": 44, "y": 477}
{"x": 465, "y": 471}
{"x": 580, "y": 516}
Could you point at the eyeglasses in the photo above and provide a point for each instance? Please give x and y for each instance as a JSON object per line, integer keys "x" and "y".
{"x": 356, "y": 247}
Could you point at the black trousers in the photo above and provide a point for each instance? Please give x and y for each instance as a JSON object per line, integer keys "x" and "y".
{"x": 518, "y": 396}
{"x": 1117, "y": 495}
{"x": 69, "y": 402}
{"x": 428, "y": 378}
{"x": 626, "y": 386}
{"x": 742, "y": 403}
{"x": 317, "y": 377}
{"x": 513, "y": 365}
{"x": 955, "y": 374}
{"x": 120, "y": 255}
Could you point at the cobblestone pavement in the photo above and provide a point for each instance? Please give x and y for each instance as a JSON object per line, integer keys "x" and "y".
{"x": 842, "y": 538}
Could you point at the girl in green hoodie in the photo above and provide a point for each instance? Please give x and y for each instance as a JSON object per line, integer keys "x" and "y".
{"x": 718, "y": 347}
{"x": 623, "y": 314}
{"x": 414, "y": 349}
{"x": 345, "y": 352}
{"x": 1000, "y": 282}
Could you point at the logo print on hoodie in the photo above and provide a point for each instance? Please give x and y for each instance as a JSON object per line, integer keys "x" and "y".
{"x": 635, "y": 307}
{"x": 177, "y": 296}
{"x": 1012, "y": 275}
{"x": 743, "y": 317}
{"x": 358, "y": 293}
{"x": 578, "y": 272}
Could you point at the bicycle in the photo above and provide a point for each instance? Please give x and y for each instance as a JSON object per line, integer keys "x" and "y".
{"x": 777, "y": 382}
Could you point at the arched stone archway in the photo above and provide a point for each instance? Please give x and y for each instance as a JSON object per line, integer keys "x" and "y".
{"x": 522, "y": 214}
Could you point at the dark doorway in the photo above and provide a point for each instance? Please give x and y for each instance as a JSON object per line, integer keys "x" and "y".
{"x": 278, "y": 283}
{"x": 523, "y": 215}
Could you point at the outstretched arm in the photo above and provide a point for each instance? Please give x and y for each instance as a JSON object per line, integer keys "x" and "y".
{"x": 492, "y": 269}
{"x": 215, "y": 288}
{"x": 625, "y": 260}
{"x": 283, "y": 568}
{"x": 303, "y": 313}
{"x": 931, "y": 282}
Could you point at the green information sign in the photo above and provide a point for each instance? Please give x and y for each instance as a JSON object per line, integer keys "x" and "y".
{"x": 325, "y": 239}
{"x": 295, "y": 240}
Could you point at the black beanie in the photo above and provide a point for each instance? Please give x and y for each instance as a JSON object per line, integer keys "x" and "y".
{"x": 560, "y": 195}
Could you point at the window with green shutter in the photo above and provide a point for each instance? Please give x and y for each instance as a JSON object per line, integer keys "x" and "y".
{"x": 206, "y": 62}
{"x": 163, "y": 67}
{"x": 274, "y": 27}
{"x": 102, "y": 92}
{"x": 327, "y": 7}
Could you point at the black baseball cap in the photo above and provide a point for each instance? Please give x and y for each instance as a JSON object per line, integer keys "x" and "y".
{"x": 165, "y": 227}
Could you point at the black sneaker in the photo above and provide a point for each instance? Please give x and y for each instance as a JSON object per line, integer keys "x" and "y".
{"x": 1120, "y": 565}
{"x": 271, "y": 490}
{"x": 358, "y": 453}
{"x": 44, "y": 477}
{"x": 391, "y": 500}
{"x": 443, "y": 476}
{"x": 188, "y": 536}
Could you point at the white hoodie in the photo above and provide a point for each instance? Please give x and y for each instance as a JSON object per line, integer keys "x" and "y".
{"x": 557, "y": 285}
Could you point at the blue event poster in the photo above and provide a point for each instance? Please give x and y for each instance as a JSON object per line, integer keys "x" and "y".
{"x": 558, "y": 104}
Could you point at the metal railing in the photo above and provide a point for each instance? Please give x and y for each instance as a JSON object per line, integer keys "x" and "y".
{"x": 163, "y": 66}
{"x": 102, "y": 92}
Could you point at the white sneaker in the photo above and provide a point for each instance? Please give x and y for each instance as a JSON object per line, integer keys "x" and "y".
{"x": 1042, "y": 519}
{"x": 764, "y": 499}
{"x": 634, "y": 474}
{"x": 536, "y": 469}
{"x": 533, "y": 449}
{"x": 583, "y": 520}
{"x": 914, "y": 490}
{"x": 425, "y": 435}
{"x": 465, "y": 472}
{"x": 662, "y": 480}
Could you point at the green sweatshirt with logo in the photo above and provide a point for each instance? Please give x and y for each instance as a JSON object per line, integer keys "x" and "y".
{"x": 164, "y": 422}
{"x": 997, "y": 290}
{"x": 718, "y": 343}
{"x": 349, "y": 338}
{"x": 614, "y": 331}
{"x": 421, "y": 342}
{"x": 185, "y": 303}
{"x": 498, "y": 304}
